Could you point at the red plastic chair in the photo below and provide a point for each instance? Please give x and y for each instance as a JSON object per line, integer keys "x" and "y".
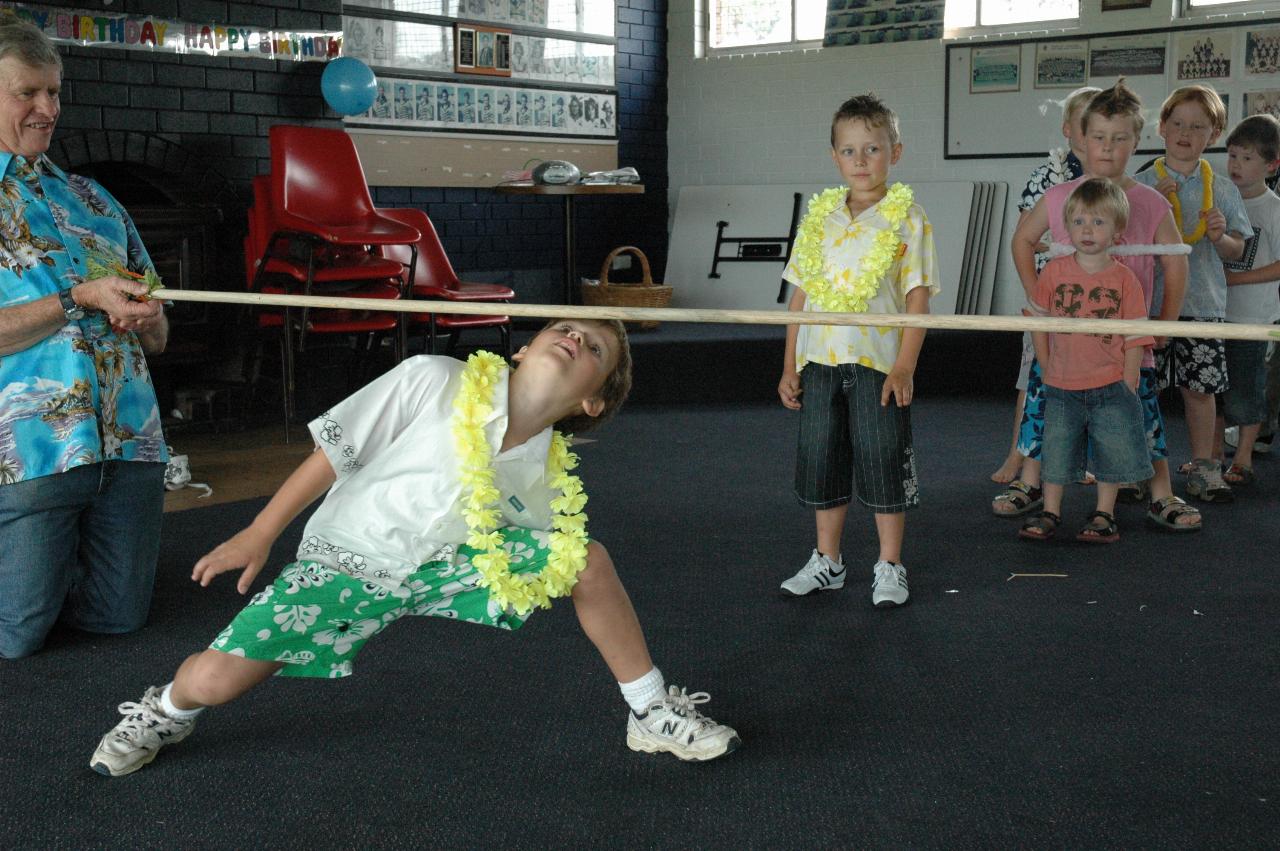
{"x": 319, "y": 194}
{"x": 434, "y": 278}
{"x": 354, "y": 272}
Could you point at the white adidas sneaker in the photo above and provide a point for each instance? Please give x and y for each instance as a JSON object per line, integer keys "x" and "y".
{"x": 889, "y": 588}
{"x": 673, "y": 725}
{"x": 137, "y": 739}
{"x": 818, "y": 574}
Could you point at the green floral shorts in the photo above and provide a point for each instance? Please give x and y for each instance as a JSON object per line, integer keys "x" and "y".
{"x": 315, "y": 619}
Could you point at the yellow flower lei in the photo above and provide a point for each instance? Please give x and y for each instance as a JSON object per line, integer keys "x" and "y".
{"x": 1206, "y": 201}
{"x": 568, "y": 543}
{"x": 885, "y": 245}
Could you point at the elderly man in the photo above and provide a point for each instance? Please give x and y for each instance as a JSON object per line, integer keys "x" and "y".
{"x": 81, "y": 451}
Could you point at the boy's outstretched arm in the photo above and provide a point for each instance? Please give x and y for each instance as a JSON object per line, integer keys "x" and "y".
{"x": 250, "y": 547}
{"x": 789, "y": 384}
{"x": 900, "y": 383}
{"x": 1026, "y": 238}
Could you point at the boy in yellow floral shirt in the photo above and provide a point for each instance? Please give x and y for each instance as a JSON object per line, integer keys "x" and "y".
{"x": 864, "y": 248}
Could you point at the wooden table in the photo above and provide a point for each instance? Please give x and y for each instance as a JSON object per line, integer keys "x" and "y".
{"x": 570, "y": 191}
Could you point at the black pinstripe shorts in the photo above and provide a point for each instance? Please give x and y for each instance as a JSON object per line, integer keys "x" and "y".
{"x": 846, "y": 435}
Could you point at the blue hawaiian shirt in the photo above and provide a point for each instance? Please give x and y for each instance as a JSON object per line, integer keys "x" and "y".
{"x": 1206, "y": 280}
{"x": 83, "y": 394}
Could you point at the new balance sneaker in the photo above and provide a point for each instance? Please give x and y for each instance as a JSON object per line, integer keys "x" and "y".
{"x": 137, "y": 739}
{"x": 675, "y": 726}
{"x": 889, "y": 588}
{"x": 818, "y": 574}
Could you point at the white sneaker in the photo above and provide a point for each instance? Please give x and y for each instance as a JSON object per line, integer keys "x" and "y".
{"x": 818, "y": 574}
{"x": 137, "y": 739}
{"x": 673, "y": 725}
{"x": 889, "y": 588}
{"x": 1231, "y": 436}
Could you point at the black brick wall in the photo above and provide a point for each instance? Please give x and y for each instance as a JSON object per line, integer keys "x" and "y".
{"x": 220, "y": 110}
{"x": 217, "y": 108}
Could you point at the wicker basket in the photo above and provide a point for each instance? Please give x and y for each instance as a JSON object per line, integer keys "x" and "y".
{"x": 644, "y": 294}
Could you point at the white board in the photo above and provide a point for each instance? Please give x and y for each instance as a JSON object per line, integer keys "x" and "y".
{"x": 765, "y": 211}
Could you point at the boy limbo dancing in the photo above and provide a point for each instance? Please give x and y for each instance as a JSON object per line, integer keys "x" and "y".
{"x": 432, "y": 454}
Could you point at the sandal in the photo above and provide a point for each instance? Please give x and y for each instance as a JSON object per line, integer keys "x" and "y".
{"x": 1133, "y": 492}
{"x": 1167, "y": 511}
{"x": 1239, "y": 474}
{"x": 1108, "y": 533}
{"x": 1206, "y": 482}
{"x": 1040, "y": 527}
{"x": 1019, "y": 497}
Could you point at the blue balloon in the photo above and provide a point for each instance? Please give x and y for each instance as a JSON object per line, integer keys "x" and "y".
{"x": 349, "y": 86}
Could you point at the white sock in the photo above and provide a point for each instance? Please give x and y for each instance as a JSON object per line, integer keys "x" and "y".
{"x": 166, "y": 706}
{"x": 642, "y": 693}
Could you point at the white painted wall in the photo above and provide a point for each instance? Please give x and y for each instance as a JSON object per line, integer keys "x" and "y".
{"x": 765, "y": 118}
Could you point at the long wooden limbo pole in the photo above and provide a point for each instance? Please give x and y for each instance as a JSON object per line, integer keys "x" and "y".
{"x": 1156, "y": 328}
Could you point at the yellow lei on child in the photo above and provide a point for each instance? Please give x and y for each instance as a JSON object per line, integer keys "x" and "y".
{"x": 876, "y": 262}
{"x": 568, "y": 543}
{"x": 1206, "y": 200}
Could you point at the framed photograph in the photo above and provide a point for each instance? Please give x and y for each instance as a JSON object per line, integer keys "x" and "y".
{"x": 1061, "y": 64}
{"x": 504, "y": 108}
{"x": 1262, "y": 52}
{"x": 995, "y": 69}
{"x": 1132, "y": 56}
{"x": 1262, "y": 103}
{"x": 464, "y": 41}
{"x": 425, "y": 103}
{"x": 482, "y": 50}
{"x": 1205, "y": 55}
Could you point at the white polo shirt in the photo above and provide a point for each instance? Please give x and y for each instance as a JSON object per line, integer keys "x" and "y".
{"x": 396, "y": 502}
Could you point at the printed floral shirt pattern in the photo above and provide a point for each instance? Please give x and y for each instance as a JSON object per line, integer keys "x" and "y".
{"x": 83, "y": 394}
{"x": 845, "y": 241}
{"x": 1063, "y": 166}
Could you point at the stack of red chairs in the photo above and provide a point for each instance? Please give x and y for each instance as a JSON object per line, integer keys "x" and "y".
{"x": 313, "y": 230}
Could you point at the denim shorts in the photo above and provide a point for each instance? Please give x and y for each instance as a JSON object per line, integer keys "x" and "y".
{"x": 846, "y": 435}
{"x": 1105, "y": 421}
{"x": 1245, "y": 401}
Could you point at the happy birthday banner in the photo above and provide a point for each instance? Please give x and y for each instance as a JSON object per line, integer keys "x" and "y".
{"x": 85, "y": 28}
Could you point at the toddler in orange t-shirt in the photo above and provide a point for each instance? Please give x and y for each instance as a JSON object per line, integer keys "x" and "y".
{"x": 1091, "y": 380}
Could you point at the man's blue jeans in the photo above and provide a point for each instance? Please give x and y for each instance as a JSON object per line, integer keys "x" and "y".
{"x": 81, "y": 545}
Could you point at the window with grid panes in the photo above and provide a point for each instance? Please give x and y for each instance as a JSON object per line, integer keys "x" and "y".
{"x": 962, "y": 14}
{"x": 757, "y": 23}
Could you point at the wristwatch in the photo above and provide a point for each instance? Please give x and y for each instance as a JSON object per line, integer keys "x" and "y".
{"x": 70, "y": 309}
